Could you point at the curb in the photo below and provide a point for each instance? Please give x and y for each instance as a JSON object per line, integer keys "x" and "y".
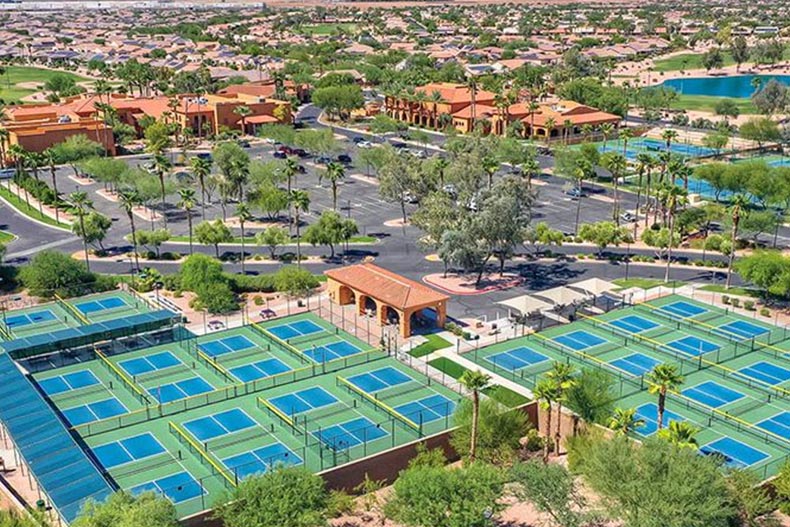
{"x": 34, "y": 220}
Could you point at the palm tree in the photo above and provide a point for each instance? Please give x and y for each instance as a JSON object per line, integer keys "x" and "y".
{"x": 546, "y": 393}
{"x": 533, "y": 109}
{"x": 436, "y": 98}
{"x": 617, "y": 165}
{"x": 606, "y": 129}
{"x": 550, "y": 124}
{"x": 299, "y": 201}
{"x": 201, "y": 168}
{"x": 680, "y": 433}
{"x": 562, "y": 375}
{"x": 162, "y": 166}
{"x": 625, "y": 134}
{"x": 290, "y": 169}
{"x": 662, "y": 379}
{"x": 187, "y": 203}
{"x": 4, "y": 135}
{"x": 82, "y": 205}
{"x": 738, "y": 207}
{"x": 439, "y": 166}
{"x": 244, "y": 215}
{"x": 475, "y": 382}
{"x": 625, "y": 421}
{"x": 49, "y": 157}
{"x": 129, "y": 199}
{"x": 644, "y": 167}
{"x": 567, "y": 128}
{"x": 668, "y": 136}
{"x": 587, "y": 131}
{"x": 243, "y": 111}
{"x": 18, "y": 154}
{"x": 335, "y": 173}
{"x": 490, "y": 166}
{"x": 672, "y": 197}
{"x": 35, "y": 160}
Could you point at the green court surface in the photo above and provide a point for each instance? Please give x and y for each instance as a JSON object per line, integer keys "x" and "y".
{"x": 105, "y": 306}
{"x": 36, "y": 320}
{"x": 736, "y": 370}
{"x": 193, "y": 417}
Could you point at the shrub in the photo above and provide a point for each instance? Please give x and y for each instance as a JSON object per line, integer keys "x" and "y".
{"x": 749, "y": 305}
{"x": 257, "y": 300}
{"x": 725, "y": 299}
{"x": 736, "y": 302}
{"x": 764, "y": 311}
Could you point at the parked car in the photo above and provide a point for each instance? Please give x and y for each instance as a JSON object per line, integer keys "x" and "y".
{"x": 323, "y": 159}
{"x": 357, "y": 139}
{"x": 365, "y": 144}
{"x": 450, "y": 190}
{"x": 204, "y": 155}
{"x": 301, "y": 169}
{"x": 301, "y": 152}
{"x": 243, "y": 143}
{"x": 628, "y": 217}
{"x": 269, "y": 140}
{"x": 574, "y": 192}
{"x": 287, "y": 150}
{"x": 344, "y": 158}
{"x": 279, "y": 155}
{"x": 409, "y": 197}
{"x": 216, "y": 324}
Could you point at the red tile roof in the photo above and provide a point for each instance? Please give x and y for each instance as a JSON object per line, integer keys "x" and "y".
{"x": 386, "y": 286}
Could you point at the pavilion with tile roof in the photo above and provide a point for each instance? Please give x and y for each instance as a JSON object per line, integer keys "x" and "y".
{"x": 390, "y": 295}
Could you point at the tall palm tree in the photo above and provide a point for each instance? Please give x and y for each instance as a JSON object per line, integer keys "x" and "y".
{"x": 243, "y": 111}
{"x": 546, "y": 393}
{"x": 644, "y": 167}
{"x": 738, "y": 208}
{"x": 18, "y": 154}
{"x": 625, "y": 134}
{"x": 186, "y": 202}
{"x": 81, "y": 203}
{"x": 662, "y": 379}
{"x": 290, "y": 169}
{"x": 201, "y": 168}
{"x": 606, "y": 129}
{"x": 475, "y": 382}
{"x": 440, "y": 164}
{"x": 567, "y": 128}
{"x": 49, "y": 157}
{"x": 4, "y": 136}
{"x": 335, "y": 173}
{"x": 436, "y": 99}
{"x": 244, "y": 215}
{"x": 129, "y": 199}
{"x": 162, "y": 167}
{"x": 533, "y": 110}
{"x": 35, "y": 160}
{"x": 550, "y": 124}
{"x": 668, "y": 136}
{"x": 562, "y": 375}
{"x": 680, "y": 433}
{"x": 672, "y": 198}
{"x": 617, "y": 165}
{"x": 625, "y": 421}
{"x": 299, "y": 201}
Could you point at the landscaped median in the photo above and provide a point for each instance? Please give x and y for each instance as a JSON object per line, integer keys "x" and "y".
{"x": 30, "y": 210}
{"x": 504, "y": 396}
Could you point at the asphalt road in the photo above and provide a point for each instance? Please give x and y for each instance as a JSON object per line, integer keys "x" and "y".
{"x": 397, "y": 247}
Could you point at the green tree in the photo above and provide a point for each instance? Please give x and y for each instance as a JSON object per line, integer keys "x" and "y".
{"x": 74, "y": 149}
{"x": 625, "y": 421}
{"x": 272, "y": 238}
{"x": 768, "y": 270}
{"x": 330, "y": 229}
{"x": 51, "y": 272}
{"x": 244, "y": 215}
{"x": 498, "y": 431}
{"x": 753, "y": 503}
{"x": 655, "y": 485}
{"x": 299, "y": 201}
{"x": 199, "y": 269}
{"x": 563, "y": 376}
{"x": 213, "y": 233}
{"x": 338, "y": 101}
{"x": 661, "y": 380}
{"x": 474, "y": 382}
{"x": 551, "y": 489}
{"x": 431, "y": 496}
{"x": 152, "y": 239}
{"x": 186, "y": 202}
{"x": 603, "y": 234}
{"x": 281, "y": 497}
{"x": 82, "y": 205}
{"x": 740, "y": 52}
{"x": 546, "y": 393}
{"x": 335, "y": 173}
{"x": 129, "y": 199}
{"x": 541, "y": 234}
{"x": 738, "y": 209}
{"x": 93, "y": 228}
{"x": 592, "y": 397}
{"x": 122, "y": 508}
{"x": 679, "y": 433}
{"x": 294, "y": 281}
{"x": 201, "y": 168}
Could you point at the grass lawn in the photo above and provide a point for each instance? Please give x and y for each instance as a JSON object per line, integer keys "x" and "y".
{"x": 506, "y": 396}
{"x": 435, "y": 342}
{"x": 10, "y": 92}
{"x": 687, "y": 61}
{"x": 644, "y": 283}
{"x": 327, "y": 29}
{"x": 6, "y": 237}
{"x": 24, "y": 208}
{"x": 706, "y": 103}
{"x": 737, "y": 291}
{"x": 451, "y": 368}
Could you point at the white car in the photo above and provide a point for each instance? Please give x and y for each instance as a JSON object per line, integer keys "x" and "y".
{"x": 269, "y": 140}
{"x": 365, "y": 144}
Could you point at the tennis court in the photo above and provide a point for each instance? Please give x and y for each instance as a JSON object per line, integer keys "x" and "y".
{"x": 735, "y": 453}
{"x": 36, "y": 320}
{"x": 736, "y": 371}
{"x": 106, "y": 306}
{"x": 516, "y": 358}
{"x": 300, "y": 328}
{"x": 203, "y": 424}
{"x": 778, "y": 424}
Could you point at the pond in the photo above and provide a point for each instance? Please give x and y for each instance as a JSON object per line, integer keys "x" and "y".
{"x": 738, "y": 86}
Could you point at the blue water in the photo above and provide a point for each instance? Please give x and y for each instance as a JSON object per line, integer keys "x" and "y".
{"x": 735, "y": 86}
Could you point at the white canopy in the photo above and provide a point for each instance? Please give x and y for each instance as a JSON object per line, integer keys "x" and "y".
{"x": 594, "y": 286}
{"x": 526, "y": 304}
{"x": 561, "y": 295}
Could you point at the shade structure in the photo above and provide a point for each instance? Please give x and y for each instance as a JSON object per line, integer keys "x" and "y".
{"x": 525, "y": 304}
